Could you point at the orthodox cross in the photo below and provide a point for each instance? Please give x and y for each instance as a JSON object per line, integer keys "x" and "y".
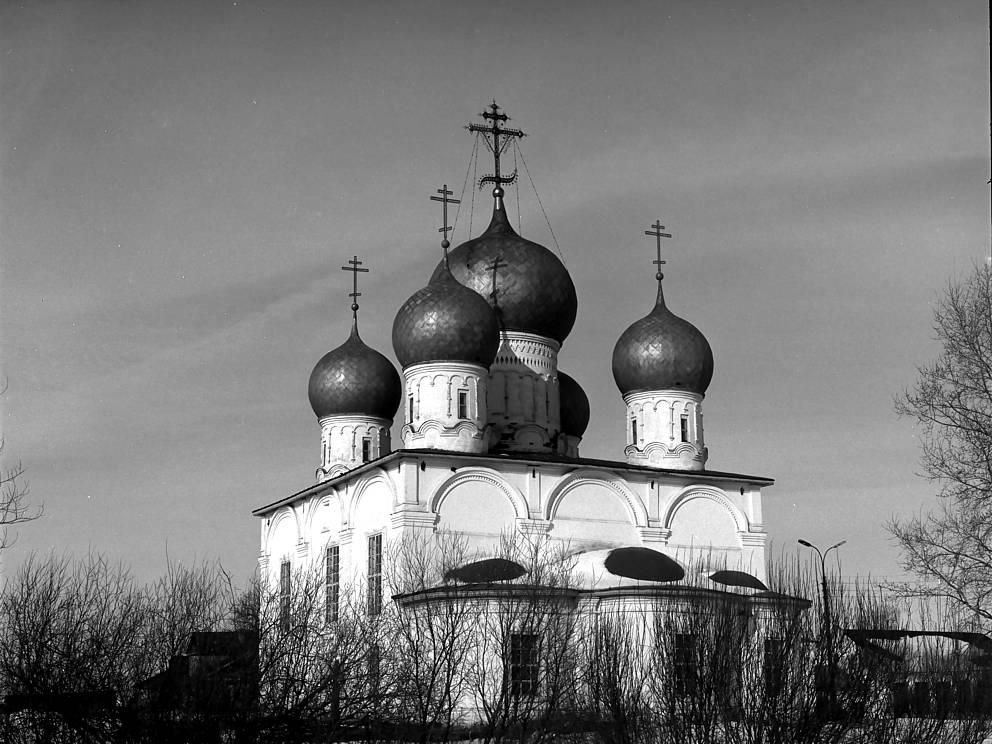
{"x": 355, "y": 294}
{"x": 493, "y": 132}
{"x": 657, "y": 233}
{"x": 445, "y": 201}
{"x": 498, "y": 263}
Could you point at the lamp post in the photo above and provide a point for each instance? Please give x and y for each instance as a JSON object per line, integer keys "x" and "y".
{"x": 827, "y": 631}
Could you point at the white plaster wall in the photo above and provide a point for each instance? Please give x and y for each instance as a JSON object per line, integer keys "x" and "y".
{"x": 341, "y": 442}
{"x": 433, "y": 389}
{"x": 659, "y": 430}
{"x": 523, "y": 401}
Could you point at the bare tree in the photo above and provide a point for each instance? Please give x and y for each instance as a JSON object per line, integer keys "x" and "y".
{"x": 950, "y": 549}
{"x": 15, "y": 507}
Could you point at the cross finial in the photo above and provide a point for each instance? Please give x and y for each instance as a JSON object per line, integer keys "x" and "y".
{"x": 497, "y": 264}
{"x": 355, "y": 294}
{"x": 445, "y": 228}
{"x": 492, "y": 132}
{"x": 658, "y": 234}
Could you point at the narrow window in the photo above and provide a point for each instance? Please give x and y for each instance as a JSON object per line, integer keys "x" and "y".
{"x": 375, "y": 574}
{"x": 366, "y": 449}
{"x": 774, "y": 666}
{"x": 409, "y": 409}
{"x": 333, "y": 587}
{"x": 524, "y": 666}
{"x": 684, "y": 663}
{"x": 285, "y": 595}
{"x": 463, "y": 404}
{"x": 685, "y": 427}
{"x": 375, "y": 666}
{"x": 633, "y": 431}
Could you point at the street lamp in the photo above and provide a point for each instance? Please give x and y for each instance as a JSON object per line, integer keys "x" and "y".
{"x": 827, "y": 631}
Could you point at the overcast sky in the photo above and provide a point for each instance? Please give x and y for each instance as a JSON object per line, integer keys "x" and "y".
{"x": 181, "y": 182}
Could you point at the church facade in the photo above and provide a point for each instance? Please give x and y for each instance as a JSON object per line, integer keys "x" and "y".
{"x": 492, "y": 430}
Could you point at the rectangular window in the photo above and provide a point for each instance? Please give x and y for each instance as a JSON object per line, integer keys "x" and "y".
{"x": 684, "y": 663}
{"x": 375, "y": 665}
{"x": 375, "y": 574}
{"x": 333, "y": 586}
{"x": 285, "y": 595}
{"x": 774, "y": 666}
{"x": 685, "y": 427}
{"x": 463, "y": 404}
{"x": 523, "y": 663}
{"x": 409, "y": 410}
{"x": 366, "y": 449}
{"x": 633, "y": 431}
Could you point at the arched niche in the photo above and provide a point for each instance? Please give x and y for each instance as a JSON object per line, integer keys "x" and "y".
{"x": 478, "y": 502}
{"x": 588, "y": 510}
{"x": 372, "y": 502}
{"x": 705, "y": 530}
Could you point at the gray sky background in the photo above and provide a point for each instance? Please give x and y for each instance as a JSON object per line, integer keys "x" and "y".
{"x": 181, "y": 182}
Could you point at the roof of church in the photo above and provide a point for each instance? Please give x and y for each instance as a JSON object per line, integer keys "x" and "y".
{"x": 703, "y": 476}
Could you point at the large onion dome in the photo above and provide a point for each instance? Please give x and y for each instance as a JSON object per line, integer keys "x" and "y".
{"x": 354, "y": 379}
{"x": 574, "y": 406}
{"x": 662, "y": 352}
{"x": 535, "y": 294}
{"x": 445, "y": 322}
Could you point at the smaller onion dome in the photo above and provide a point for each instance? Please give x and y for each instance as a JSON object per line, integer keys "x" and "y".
{"x": 574, "y": 406}
{"x": 354, "y": 379}
{"x": 662, "y": 352}
{"x": 445, "y": 322}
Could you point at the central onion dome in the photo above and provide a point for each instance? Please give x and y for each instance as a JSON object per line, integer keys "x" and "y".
{"x": 354, "y": 379}
{"x": 662, "y": 352}
{"x": 534, "y": 294}
{"x": 574, "y": 406}
{"x": 445, "y": 322}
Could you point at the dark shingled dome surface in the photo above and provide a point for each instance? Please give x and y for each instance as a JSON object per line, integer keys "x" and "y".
{"x": 662, "y": 352}
{"x": 445, "y": 322}
{"x": 535, "y": 292}
{"x": 354, "y": 379}
{"x": 574, "y": 406}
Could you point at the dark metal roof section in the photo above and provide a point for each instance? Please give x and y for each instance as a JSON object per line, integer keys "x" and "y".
{"x": 738, "y": 578}
{"x": 486, "y": 571}
{"x": 661, "y": 351}
{"x": 534, "y": 292}
{"x": 574, "y": 406}
{"x": 643, "y": 564}
{"x": 445, "y": 322}
{"x": 354, "y": 379}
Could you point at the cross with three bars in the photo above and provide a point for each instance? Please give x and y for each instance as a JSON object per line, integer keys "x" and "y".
{"x": 493, "y": 132}
{"x": 657, "y": 233}
{"x": 355, "y": 294}
{"x": 498, "y": 263}
{"x": 445, "y": 228}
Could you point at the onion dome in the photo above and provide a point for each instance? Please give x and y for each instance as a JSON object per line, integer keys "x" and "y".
{"x": 662, "y": 352}
{"x": 445, "y": 322}
{"x": 574, "y": 406}
{"x": 534, "y": 292}
{"x": 354, "y": 379}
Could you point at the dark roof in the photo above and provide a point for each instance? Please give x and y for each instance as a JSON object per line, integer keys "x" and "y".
{"x": 517, "y": 457}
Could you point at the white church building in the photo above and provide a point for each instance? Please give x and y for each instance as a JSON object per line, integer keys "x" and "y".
{"x": 492, "y": 429}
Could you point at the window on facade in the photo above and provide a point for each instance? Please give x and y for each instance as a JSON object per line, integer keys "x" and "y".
{"x": 409, "y": 409}
{"x": 332, "y": 596}
{"x": 684, "y": 662}
{"x": 366, "y": 449}
{"x": 774, "y": 666}
{"x": 523, "y": 664}
{"x": 633, "y": 431}
{"x": 375, "y": 574}
{"x": 285, "y": 595}
{"x": 374, "y": 665}
{"x": 684, "y": 423}
{"x": 463, "y": 404}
